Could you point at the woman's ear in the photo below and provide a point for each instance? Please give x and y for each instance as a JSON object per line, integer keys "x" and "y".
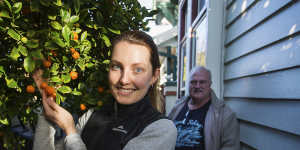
{"x": 155, "y": 76}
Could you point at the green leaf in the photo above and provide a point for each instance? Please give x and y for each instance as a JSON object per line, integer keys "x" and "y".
{"x": 55, "y": 79}
{"x": 29, "y": 64}
{"x": 4, "y": 121}
{"x": 66, "y": 78}
{"x": 56, "y": 25}
{"x": 78, "y": 30}
{"x": 54, "y": 67}
{"x": 37, "y": 54}
{"x": 106, "y": 61}
{"x": 13, "y": 25}
{"x": 2, "y": 69}
{"x": 23, "y": 50}
{"x": 12, "y": 33}
{"x": 99, "y": 18}
{"x": 114, "y": 31}
{"x": 8, "y": 4}
{"x": 74, "y": 19}
{"x": 109, "y": 53}
{"x": 81, "y": 86}
{"x": 75, "y": 92}
{"x": 91, "y": 101}
{"x": 59, "y": 98}
{"x": 106, "y": 40}
{"x": 28, "y": 110}
{"x": 65, "y": 89}
{"x": 58, "y": 3}
{"x": 14, "y": 54}
{"x": 81, "y": 65}
{"x": 4, "y": 14}
{"x": 45, "y": 3}
{"x": 59, "y": 42}
{"x": 50, "y": 45}
{"x": 32, "y": 43}
{"x": 65, "y": 15}
{"x": 11, "y": 83}
{"x": 52, "y": 17}
{"x": 89, "y": 65}
{"x": 66, "y": 33}
{"x": 17, "y": 7}
{"x": 65, "y": 59}
{"x": 83, "y": 36}
{"x": 77, "y": 6}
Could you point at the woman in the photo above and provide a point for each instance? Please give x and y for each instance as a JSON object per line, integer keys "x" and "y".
{"x": 133, "y": 123}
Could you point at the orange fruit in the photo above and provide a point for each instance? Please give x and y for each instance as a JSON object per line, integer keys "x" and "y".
{"x": 75, "y": 36}
{"x": 82, "y": 107}
{"x": 99, "y": 103}
{"x": 75, "y": 55}
{"x": 72, "y": 50}
{"x": 100, "y": 89}
{"x": 74, "y": 75}
{"x": 30, "y": 89}
{"x": 50, "y": 90}
{"x": 44, "y": 85}
{"x": 53, "y": 95}
{"x": 47, "y": 63}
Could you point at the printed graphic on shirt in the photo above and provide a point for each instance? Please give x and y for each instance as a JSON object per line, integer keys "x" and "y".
{"x": 189, "y": 133}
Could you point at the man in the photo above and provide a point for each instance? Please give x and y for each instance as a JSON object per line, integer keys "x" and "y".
{"x": 203, "y": 122}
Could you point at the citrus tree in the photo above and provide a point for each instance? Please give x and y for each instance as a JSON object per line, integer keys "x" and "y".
{"x": 70, "y": 40}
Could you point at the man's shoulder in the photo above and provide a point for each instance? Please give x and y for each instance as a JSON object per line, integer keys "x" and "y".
{"x": 178, "y": 106}
{"x": 182, "y": 100}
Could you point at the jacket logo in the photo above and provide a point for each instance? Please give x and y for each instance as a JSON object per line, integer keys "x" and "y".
{"x": 120, "y": 129}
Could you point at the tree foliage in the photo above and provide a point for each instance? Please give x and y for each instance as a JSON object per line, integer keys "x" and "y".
{"x": 60, "y": 37}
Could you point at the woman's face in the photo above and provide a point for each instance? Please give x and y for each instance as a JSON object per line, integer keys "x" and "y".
{"x": 130, "y": 73}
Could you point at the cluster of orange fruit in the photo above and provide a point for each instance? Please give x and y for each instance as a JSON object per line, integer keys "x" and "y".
{"x": 75, "y": 54}
{"x": 49, "y": 89}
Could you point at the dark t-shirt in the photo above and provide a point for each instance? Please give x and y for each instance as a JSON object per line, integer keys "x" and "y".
{"x": 190, "y": 128}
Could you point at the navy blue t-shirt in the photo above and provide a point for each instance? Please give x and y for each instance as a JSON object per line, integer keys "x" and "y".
{"x": 190, "y": 128}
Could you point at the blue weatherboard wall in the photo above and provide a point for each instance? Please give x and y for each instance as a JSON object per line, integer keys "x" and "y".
{"x": 262, "y": 71}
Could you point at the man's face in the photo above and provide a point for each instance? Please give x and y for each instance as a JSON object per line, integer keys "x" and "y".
{"x": 200, "y": 85}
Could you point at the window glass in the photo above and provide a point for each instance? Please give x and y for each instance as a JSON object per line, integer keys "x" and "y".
{"x": 201, "y": 4}
{"x": 200, "y": 43}
{"x": 184, "y": 65}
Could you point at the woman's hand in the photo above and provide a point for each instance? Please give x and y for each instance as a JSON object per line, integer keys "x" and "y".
{"x": 53, "y": 111}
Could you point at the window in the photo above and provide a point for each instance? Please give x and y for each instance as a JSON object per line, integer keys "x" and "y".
{"x": 183, "y": 21}
{"x": 184, "y": 65}
{"x": 198, "y": 7}
{"x": 201, "y": 4}
{"x": 200, "y": 43}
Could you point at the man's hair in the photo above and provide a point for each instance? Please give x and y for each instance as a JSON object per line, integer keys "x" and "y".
{"x": 197, "y": 68}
